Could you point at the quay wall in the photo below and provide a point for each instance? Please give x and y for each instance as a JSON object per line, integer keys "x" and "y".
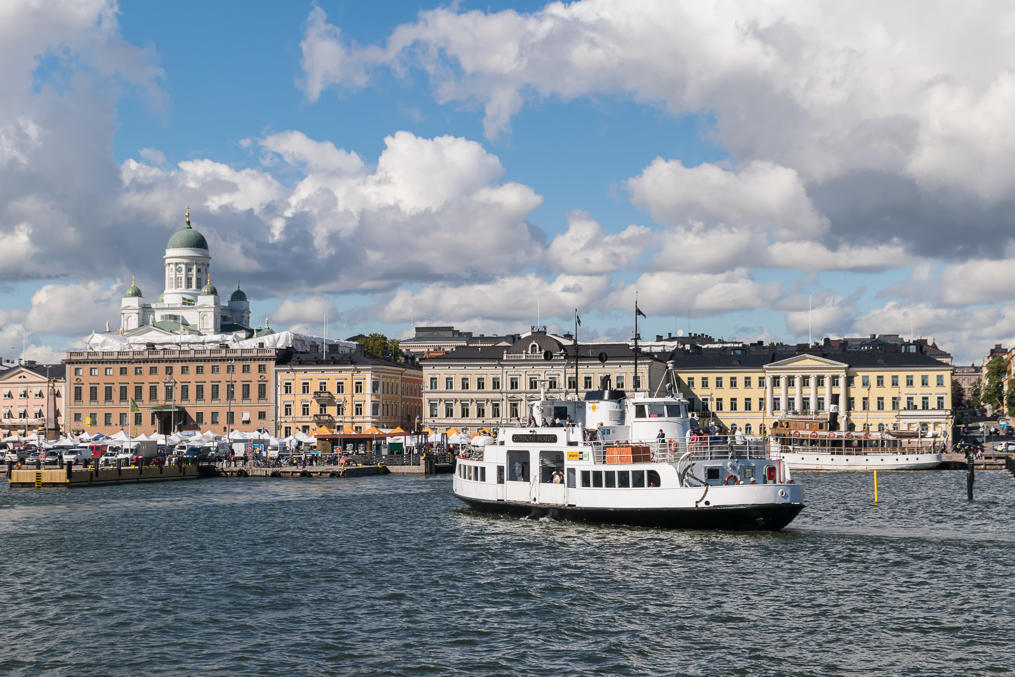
{"x": 69, "y": 478}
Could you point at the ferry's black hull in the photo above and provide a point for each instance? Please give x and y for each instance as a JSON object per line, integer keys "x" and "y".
{"x": 772, "y": 517}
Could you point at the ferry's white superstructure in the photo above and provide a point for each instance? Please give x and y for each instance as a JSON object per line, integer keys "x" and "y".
{"x": 611, "y": 465}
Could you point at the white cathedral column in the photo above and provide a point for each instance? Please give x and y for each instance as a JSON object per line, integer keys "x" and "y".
{"x": 798, "y": 392}
{"x": 843, "y": 402}
{"x": 784, "y": 392}
{"x": 768, "y": 394}
{"x": 828, "y": 392}
{"x": 814, "y": 393}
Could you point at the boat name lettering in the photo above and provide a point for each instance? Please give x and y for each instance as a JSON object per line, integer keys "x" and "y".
{"x": 534, "y": 438}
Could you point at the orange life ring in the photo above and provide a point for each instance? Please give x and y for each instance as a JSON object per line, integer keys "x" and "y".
{"x": 814, "y": 436}
{"x": 867, "y": 436}
{"x": 731, "y": 476}
{"x": 849, "y": 436}
{"x": 671, "y": 446}
{"x": 796, "y": 433}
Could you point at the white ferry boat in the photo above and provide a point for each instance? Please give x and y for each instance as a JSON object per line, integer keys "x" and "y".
{"x": 805, "y": 443}
{"x": 607, "y": 463}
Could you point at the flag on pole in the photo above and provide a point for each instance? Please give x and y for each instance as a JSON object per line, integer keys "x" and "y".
{"x": 133, "y": 405}
{"x": 637, "y": 310}
{"x": 577, "y": 318}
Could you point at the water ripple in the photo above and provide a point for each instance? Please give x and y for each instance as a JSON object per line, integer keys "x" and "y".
{"x": 393, "y": 576}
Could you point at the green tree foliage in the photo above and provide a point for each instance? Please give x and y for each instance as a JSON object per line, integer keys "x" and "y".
{"x": 380, "y": 346}
{"x": 1009, "y": 400}
{"x": 976, "y": 394}
{"x": 958, "y": 396}
{"x": 993, "y": 388}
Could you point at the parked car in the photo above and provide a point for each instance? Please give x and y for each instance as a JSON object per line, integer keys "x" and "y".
{"x": 1004, "y": 446}
{"x": 50, "y": 457}
{"x": 77, "y": 455}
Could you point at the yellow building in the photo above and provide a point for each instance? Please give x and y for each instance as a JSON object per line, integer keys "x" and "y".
{"x": 879, "y": 387}
{"x": 346, "y": 390}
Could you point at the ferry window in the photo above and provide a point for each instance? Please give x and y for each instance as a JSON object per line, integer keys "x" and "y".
{"x": 500, "y": 474}
{"x": 586, "y": 478}
{"x": 570, "y": 478}
{"x": 482, "y": 473}
{"x": 639, "y": 411}
{"x": 468, "y": 472}
{"x": 637, "y": 478}
{"x": 712, "y": 473}
{"x": 623, "y": 479}
{"x": 657, "y": 410}
{"x": 653, "y": 478}
{"x": 747, "y": 473}
{"x": 674, "y": 410}
{"x": 611, "y": 479}
{"x": 518, "y": 466}
{"x": 597, "y": 479}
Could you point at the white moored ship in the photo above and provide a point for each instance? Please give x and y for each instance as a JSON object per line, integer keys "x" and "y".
{"x": 606, "y": 462}
{"x": 805, "y": 443}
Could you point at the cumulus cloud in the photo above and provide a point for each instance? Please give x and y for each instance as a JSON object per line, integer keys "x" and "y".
{"x": 698, "y": 294}
{"x": 74, "y": 308}
{"x": 584, "y": 248}
{"x": 429, "y": 209}
{"x": 977, "y": 282}
{"x": 310, "y": 310}
{"x": 896, "y": 132}
{"x": 507, "y": 298}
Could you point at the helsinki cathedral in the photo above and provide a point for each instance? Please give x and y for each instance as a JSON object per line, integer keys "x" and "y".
{"x": 190, "y": 303}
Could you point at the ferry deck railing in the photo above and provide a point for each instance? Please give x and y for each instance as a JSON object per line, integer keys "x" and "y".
{"x": 708, "y": 448}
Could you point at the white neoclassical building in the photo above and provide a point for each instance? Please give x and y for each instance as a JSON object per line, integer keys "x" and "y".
{"x": 189, "y": 303}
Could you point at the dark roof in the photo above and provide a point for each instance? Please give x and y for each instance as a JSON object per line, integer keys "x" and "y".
{"x": 317, "y": 358}
{"x": 546, "y": 342}
{"x": 55, "y": 371}
{"x": 755, "y": 357}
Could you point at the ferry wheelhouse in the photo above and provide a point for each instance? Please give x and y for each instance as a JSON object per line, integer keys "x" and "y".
{"x": 611, "y": 458}
{"x": 808, "y": 443}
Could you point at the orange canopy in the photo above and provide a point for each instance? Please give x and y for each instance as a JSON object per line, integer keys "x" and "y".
{"x": 452, "y": 431}
{"x": 428, "y": 430}
{"x": 373, "y": 430}
{"x": 323, "y": 430}
{"x": 397, "y": 431}
{"x": 347, "y": 430}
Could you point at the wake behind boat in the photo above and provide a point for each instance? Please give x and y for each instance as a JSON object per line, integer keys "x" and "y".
{"x": 631, "y": 461}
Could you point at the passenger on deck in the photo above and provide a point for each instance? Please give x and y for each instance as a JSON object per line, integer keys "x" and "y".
{"x": 661, "y": 437}
{"x": 558, "y": 477}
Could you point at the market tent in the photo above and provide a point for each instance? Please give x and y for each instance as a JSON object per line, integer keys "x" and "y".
{"x": 428, "y": 430}
{"x": 323, "y": 430}
{"x": 347, "y": 430}
{"x": 120, "y": 437}
{"x": 452, "y": 431}
{"x": 373, "y": 430}
{"x": 397, "y": 431}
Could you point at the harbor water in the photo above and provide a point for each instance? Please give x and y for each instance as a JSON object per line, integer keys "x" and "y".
{"x": 392, "y": 575}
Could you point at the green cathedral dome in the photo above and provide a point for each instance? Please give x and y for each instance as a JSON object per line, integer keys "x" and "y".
{"x": 209, "y": 290}
{"x": 187, "y": 238}
{"x": 238, "y": 295}
{"x": 133, "y": 291}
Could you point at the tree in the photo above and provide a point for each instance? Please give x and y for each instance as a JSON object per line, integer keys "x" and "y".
{"x": 1009, "y": 400}
{"x": 958, "y": 396}
{"x": 380, "y": 346}
{"x": 993, "y": 388}
{"x": 975, "y": 394}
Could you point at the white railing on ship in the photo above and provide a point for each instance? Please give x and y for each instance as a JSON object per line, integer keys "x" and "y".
{"x": 671, "y": 451}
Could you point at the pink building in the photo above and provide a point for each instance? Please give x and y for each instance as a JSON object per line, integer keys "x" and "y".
{"x": 31, "y": 399}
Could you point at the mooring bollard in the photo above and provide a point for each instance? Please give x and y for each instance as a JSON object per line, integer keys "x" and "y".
{"x": 70, "y": 470}
{"x": 970, "y": 478}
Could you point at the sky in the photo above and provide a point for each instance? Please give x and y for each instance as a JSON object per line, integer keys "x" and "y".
{"x": 751, "y": 170}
